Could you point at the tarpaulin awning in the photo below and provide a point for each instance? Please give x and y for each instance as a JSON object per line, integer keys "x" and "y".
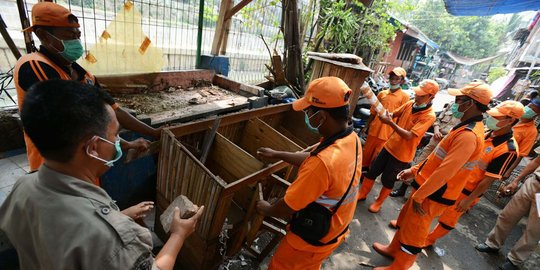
{"x": 489, "y": 7}
{"x": 469, "y": 61}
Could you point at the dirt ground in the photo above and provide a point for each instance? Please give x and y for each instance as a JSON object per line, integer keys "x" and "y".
{"x": 455, "y": 251}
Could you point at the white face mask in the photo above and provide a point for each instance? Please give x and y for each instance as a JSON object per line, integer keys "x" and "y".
{"x": 117, "y": 156}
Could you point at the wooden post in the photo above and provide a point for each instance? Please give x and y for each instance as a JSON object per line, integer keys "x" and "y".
{"x": 25, "y": 23}
{"x": 220, "y": 27}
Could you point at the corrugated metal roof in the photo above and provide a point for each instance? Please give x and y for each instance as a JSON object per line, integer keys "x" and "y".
{"x": 489, "y": 7}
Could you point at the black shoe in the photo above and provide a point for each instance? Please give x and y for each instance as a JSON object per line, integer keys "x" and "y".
{"x": 397, "y": 193}
{"x": 486, "y": 249}
{"x": 508, "y": 265}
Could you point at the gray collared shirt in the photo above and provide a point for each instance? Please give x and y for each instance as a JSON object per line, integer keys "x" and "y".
{"x": 56, "y": 221}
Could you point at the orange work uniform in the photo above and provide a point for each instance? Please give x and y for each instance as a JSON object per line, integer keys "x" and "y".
{"x": 322, "y": 178}
{"x": 36, "y": 67}
{"x": 378, "y": 132}
{"x": 497, "y": 157}
{"x": 439, "y": 180}
{"x": 525, "y": 135}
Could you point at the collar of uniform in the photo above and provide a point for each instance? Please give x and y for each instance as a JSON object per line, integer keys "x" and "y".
{"x": 477, "y": 118}
{"x": 71, "y": 185}
{"x": 330, "y": 140}
{"x": 527, "y": 124}
{"x": 80, "y": 70}
{"x": 501, "y": 138}
{"x": 417, "y": 110}
{"x": 395, "y": 92}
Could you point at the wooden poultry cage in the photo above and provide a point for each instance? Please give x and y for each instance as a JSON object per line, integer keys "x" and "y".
{"x": 214, "y": 163}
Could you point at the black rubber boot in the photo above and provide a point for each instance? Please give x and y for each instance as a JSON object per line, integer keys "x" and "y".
{"x": 400, "y": 192}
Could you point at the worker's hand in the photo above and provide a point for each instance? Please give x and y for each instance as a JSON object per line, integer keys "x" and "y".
{"x": 140, "y": 145}
{"x": 267, "y": 152}
{"x": 509, "y": 189}
{"x": 139, "y": 210}
{"x": 405, "y": 176}
{"x": 463, "y": 205}
{"x": 417, "y": 208}
{"x": 386, "y": 118}
{"x": 437, "y": 135}
{"x": 263, "y": 207}
{"x": 185, "y": 227}
{"x": 364, "y": 132}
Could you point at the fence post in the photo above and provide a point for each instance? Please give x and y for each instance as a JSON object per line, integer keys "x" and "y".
{"x": 199, "y": 34}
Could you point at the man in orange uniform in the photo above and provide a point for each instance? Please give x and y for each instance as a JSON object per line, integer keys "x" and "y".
{"x": 327, "y": 176}
{"x": 413, "y": 120}
{"x": 378, "y": 132}
{"x": 441, "y": 177}
{"x": 500, "y": 151}
{"x": 525, "y": 132}
{"x": 58, "y": 32}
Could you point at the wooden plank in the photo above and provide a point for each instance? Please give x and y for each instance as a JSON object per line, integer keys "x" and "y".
{"x": 220, "y": 213}
{"x": 258, "y": 176}
{"x": 257, "y": 219}
{"x": 233, "y": 158}
{"x": 236, "y": 8}
{"x": 201, "y": 125}
{"x": 218, "y": 36}
{"x": 209, "y": 139}
{"x": 258, "y": 134}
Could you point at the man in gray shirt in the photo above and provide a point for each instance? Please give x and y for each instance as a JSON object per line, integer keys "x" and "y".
{"x": 58, "y": 218}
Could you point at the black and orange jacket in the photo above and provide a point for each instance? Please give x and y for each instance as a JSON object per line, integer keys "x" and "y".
{"x": 497, "y": 157}
{"x": 39, "y": 66}
{"x": 443, "y": 175}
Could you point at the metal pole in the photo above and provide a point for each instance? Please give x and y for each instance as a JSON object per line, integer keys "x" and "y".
{"x": 199, "y": 33}
{"x": 9, "y": 41}
{"x": 25, "y": 23}
{"x": 536, "y": 55}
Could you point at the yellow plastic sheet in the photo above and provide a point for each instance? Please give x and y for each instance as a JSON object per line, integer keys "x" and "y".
{"x": 123, "y": 47}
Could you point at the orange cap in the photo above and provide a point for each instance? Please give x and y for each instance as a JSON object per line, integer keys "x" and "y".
{"x": 399, "y": 71}
{"x": 426, "y": 87}
{"x": 510, "y": 108}
{"x": 324, "y": 92}
{"x": 51, "y": 14}
{"x": 476, "y": 90}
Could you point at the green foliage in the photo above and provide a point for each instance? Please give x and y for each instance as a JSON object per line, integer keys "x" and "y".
{"x": 474, "y": 37}
{"x": 340, "y": 27}
{"x": 354, "y": 28}
{"x": 495, "y": 73}
{"x": 210, "y": 16}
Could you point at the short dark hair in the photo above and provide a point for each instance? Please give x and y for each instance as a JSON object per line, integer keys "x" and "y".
{"x": 338, "y": 113}
{"x": 58, "y": 114}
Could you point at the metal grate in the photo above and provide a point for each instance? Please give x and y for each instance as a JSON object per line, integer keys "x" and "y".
{"x": 172, "y": 27}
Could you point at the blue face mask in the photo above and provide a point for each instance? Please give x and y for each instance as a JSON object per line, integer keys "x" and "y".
{"x": 455, "y": 110}
{"x": 308, "y": 124}
{"x": 529, "y": 113}
{"x": 117, "y": 156}
{"x": 73, "y": 49}
{"x": 491, "y": 123}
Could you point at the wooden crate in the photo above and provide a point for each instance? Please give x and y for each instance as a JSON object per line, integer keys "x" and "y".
{"x": 345, "y": 66}
{"x": 214, "y": 163}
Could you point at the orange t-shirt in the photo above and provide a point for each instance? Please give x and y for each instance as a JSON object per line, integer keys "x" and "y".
{"x": 418, "y": 123}
{"x": 390, "y": 101}
{"x": 525, "y": 135}
{"x": 324, "y": 178}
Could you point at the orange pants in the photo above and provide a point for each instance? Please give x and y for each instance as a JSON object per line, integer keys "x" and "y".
{"x": 450, "y": 216}
{"x": 289, "y": 258}
{"x": 414, "y": 228}
{"x": 371, "y": 149}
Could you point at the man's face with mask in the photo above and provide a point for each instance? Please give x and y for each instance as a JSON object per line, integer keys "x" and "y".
{"x": 395, "y": 81}
{"x": 64, "y": 41}
{"x": 99, "y": 150}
